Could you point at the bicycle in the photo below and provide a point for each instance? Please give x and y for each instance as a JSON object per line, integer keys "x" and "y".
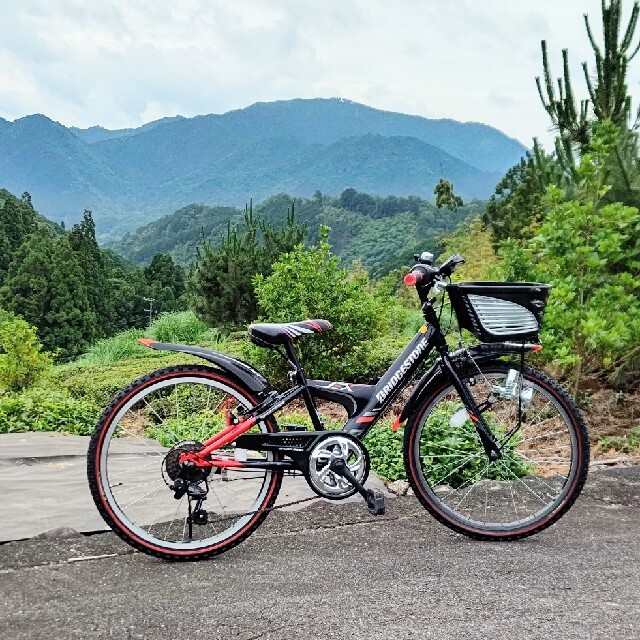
{"x": 493, "y": 449}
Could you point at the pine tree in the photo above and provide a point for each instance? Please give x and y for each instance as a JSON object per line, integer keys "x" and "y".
{"x": 221, "y": 279}
{"x": 26, "y": 289}
{"x": 82, "y": 239}
{"x": 165, "y": 281}
{"x": 70, "y": 323}
{"x": 608, "y": 101}
{"x": 17, "y": 221}
{"x": 46, "y": 286}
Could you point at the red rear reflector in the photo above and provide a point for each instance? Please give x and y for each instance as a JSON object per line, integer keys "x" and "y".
{"x": 410, "y": 280}
{"x": 537, "y": 348}
{"x": 396, "y": 424}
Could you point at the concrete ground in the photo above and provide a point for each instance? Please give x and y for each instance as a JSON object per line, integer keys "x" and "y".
{"x": 43, "y": 485}
{"x": 334, "y": 571}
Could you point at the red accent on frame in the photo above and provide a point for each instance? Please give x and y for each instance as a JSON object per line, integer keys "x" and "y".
{"x": 130, "y": 533}
{"x": 227, "y": 435}
{"x": 474, "y": 418}
{"x": 216, "y": 461}
{"x": 366, "y": 419}
{"x": 147, "y": 342}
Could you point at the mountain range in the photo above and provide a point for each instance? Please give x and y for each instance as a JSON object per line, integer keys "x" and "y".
{"x": 129, "y": 177}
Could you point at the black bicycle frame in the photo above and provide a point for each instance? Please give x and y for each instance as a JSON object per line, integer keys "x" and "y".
{"x": 366, "y": 403}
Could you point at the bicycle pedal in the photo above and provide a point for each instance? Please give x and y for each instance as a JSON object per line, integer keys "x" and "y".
{"x": 375, "y": 502}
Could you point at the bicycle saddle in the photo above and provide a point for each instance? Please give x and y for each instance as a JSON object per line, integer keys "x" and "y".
{"x": 267, "y": 334}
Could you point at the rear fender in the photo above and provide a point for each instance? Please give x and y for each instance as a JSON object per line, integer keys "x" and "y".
{"x": 436, "y": 376}
{"x": 238, "y": 369}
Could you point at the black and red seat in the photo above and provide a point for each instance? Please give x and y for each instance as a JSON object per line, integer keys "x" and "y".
{"x": 268, "y": 334}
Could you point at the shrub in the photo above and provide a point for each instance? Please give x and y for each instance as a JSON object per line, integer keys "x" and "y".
{"x": 589, "y": 252}
{"x": 439, "y": 440}
{"x": 23, "y": 362}
{"x": 119, "y": 347}
{"x": 180, "y": 327}
{"x": 385, "y": 450}
{"x": 46, "y": 410}
{"x": 628, "y": 443}
{"x": 310, "y": 283}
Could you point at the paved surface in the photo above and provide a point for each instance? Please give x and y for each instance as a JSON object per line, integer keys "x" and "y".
{"x": 43, "y": 485}
{"x": 332, "y": 571}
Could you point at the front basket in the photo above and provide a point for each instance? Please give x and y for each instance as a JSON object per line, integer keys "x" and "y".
{"x": 497, "y": 311}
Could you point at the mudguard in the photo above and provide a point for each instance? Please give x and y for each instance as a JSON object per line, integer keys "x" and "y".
{"x": 479, "y": 353}
{"x": 238, "y": 369}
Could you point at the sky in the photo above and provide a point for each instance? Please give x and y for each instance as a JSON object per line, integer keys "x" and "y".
{"x": 122, "y": 63}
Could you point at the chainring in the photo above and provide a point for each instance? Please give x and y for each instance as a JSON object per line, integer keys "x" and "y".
{"x": 326, "y": 483}
{"x": 173, "y": 467}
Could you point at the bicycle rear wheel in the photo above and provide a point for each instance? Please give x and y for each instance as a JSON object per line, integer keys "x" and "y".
{"x": 544, "y": 464}
{"x": 133, "y": 460}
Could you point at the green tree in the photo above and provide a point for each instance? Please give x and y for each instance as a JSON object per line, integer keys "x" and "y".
{"x": 609, "y": 101}
{"x": 46, "y": 286}
{"x": 472, "y": 240}
{"x": 166, "y": 284}
{"x": 17, "y": 221}
{"x": 26, "y": 288}
{"x": 590, "y": 253}
{"x": 221, "y": 290}
{"x": 69, "y": 325}
{"x": 82, "y": 239}
{"x": 445, "y": 197}
{"x": 516, "y": 207}
{"x": 22, "y": 361}
{"x": 310, "y": 283}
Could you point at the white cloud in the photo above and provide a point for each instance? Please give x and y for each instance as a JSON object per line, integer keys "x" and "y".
{"x": 120, "y": 63}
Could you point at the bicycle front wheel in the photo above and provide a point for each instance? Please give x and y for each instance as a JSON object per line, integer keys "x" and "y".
{"x": 134, "y": 459}
{"x": 544, "y": 445}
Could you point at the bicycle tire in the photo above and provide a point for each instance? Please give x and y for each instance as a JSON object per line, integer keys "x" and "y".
{"x": 115, "y": 441}
{"x": 517, "y": 473}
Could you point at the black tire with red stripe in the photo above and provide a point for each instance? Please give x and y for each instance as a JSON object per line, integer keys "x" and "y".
{"x": 447, "y": 516}
{"x": 122, "y": 527}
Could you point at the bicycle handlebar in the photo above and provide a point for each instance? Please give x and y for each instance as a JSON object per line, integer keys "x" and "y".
{"x": 421, "y": 271}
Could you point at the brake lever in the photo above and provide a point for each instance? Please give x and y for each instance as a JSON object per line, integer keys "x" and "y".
{"x": 439, "y": 285}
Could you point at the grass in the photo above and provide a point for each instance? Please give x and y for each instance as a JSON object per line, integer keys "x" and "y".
{"x": 628, "y": 443}
{"x": 179, "y": 328}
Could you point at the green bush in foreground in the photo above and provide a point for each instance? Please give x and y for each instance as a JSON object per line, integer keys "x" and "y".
{"x": 46, "y": 410}
{"x": 23, "y": 361}
{"x": 182, "y": 327}
{"x": 310, "y": 283}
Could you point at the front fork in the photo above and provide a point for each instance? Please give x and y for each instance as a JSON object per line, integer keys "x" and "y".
{"x": 491, "y": 445}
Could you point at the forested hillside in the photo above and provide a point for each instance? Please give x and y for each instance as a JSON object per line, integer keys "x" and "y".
{"x": 382, "y": 233}
{"x": 69, "y": 288}
{"x": 133, "y": 176}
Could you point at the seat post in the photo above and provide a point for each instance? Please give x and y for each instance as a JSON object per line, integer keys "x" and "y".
{"x": 301, "y": 379}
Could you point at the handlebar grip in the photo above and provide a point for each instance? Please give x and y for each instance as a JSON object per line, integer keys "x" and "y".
{"x": 412, "y": 278}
